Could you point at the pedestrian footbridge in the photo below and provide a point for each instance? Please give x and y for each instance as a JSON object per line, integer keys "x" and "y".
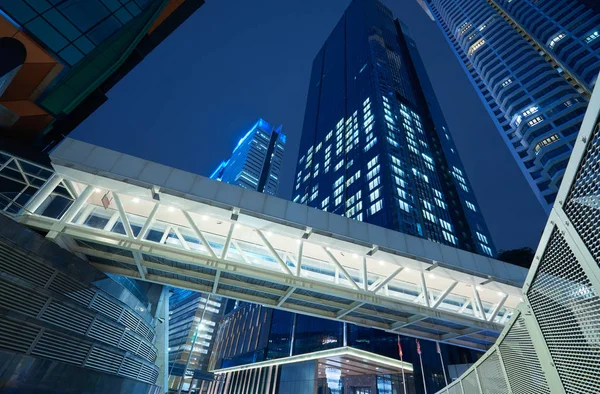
{"x": 132, "y": 217}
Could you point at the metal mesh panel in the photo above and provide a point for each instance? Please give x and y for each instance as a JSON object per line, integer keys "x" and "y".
{"x": 469, "y": 383}
{"x": 583, "y": 204}
{"x": 456, "y": 389}
{"x": 567, "y": 309}
{"x": 521, "y": 361}
{"x": 491, "y": 375}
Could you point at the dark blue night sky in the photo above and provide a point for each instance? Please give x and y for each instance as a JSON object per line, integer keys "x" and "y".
{"x": 191, "y": 100}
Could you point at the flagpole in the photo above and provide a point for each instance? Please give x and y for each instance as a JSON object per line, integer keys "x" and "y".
{"x": 442, "y": 360}
{"x": 402, "y": 361}
{"x": 421, "y": 361}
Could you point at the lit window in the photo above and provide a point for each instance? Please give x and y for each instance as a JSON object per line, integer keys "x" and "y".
{"x": 372, "y": 162}
{"x": 478, "y": 44}
{"x": 375, "y": 195}
{"x": 471, "y": 206}
{"x": 482, "y": 237}
{"x": 487, "y": 250}
{"x": 535, "y": 121}
{"x": 450, "y": 238}
{"x": 556, "y": 39}
{"x": 325, "y": 202}
{"x": 339, "y": 165}
{"x": 373, "y": 172}
{"x": 440, "y": 203}
{"x": 427, "y": 205}
{"x": 429, "y": 216}
{"x": 374, "y": 183}
{"x": 592, "y": 37}
{"x": 438, "y": 193}
{"x": 328, "y": 137}
{"x": 446, "y": 225}
{"x": 530, "y": 111}
{"x": 463, "y": 28}
{"x": 545, "y": 142}
{"x": 370, "y": 144}
{"x": 404, "y": 206}
{"x": 402, "y": 193}
{"x": 374, "y": 208}
{"x": 506, "y": 83}
{"x": 338, "y": 201}
{"x": 319, "y": 147}
{"x": 338, "y": 182}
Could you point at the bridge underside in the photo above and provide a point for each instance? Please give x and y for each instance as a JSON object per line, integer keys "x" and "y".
{"x": 245, "y": 245}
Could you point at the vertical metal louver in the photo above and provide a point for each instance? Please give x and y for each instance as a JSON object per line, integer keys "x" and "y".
{"x": 567, "y": 309}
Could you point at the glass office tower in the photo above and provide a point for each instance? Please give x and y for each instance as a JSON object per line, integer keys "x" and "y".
{"x": 533, "y": 65}
{"x": 193, "y": 321}
{"x": 256, "y": 160}
{"x": 375, "y": 146}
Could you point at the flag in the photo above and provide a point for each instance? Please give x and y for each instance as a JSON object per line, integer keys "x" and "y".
{"x": 418, "y": 347}
{"x": 437, "y": 347}
{"x": 399, "y": 348}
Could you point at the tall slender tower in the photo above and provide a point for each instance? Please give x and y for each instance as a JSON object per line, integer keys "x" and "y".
{"x": 256, "y": 160}
{"x": 375, "y": 146}
{"x": 533, "y": 64}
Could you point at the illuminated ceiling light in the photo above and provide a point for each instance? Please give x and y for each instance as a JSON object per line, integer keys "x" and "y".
{"x": 298, "y": 241}
{"x": 354, "y": 255}
{"x": 171, "y": 209}
{"x": 478, "y": 288}
{"x": 501, "y": 294}
{"x": 381, "y": 262}
{"x": 431, "y": 276}
{"x": 96, "y": 190}
{"x": 521, "y": 299}
{"x": 135, "y": 200}
{"x": 407, "y": 269}
{"x": 268, "y": 233}
{"x": 204, "y": 217}
{"x": 237, "y": 225}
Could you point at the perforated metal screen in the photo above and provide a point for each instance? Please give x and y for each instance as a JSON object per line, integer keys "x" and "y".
{"x": 491, "y": 375}
{"x": 521, "y": 361}
{"x": 567, "y": 309}
{"x": 583, "y": 204}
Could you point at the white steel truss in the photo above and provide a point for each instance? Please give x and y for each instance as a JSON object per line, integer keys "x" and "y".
{"x": 235, "y": 243}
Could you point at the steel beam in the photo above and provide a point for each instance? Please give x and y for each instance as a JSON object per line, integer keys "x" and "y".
{"x": 342, "y": 269}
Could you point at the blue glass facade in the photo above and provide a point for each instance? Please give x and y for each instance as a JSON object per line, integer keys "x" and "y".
{"x": 568, "y": 29}
{"x": 375, "y": 146}
{"x": 73, "y": 28}
{"x": 256, "y": 160}
{"x": 532, "y": 67}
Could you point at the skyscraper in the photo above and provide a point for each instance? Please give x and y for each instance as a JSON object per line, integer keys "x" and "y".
{"x": 76, "y": 51}
{"x": 533, "y": 65}
{"x": 375, "y": 146}
{"x": 256, "y": 160}
{"x": 193, "y": 320}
